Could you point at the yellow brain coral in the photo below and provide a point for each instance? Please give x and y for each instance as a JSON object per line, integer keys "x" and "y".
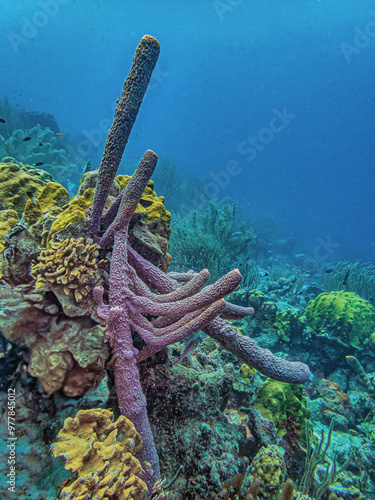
{"x": 100, "y": 453}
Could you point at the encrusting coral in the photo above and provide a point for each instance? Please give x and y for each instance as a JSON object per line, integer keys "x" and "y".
{"x": 16, "y": 184}
{"x": 279, "y": 402}
{"x": 65, "y": 353}
{"x": 100, "y": 453}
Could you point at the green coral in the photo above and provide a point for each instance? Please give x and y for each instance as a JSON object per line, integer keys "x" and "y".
{"x": 288, "y": 323}
{"x": 344, "y": 316}
{"x": 279, "y": 401}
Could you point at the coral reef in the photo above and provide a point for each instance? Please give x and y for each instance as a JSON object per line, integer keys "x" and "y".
{"x": 100, "y": 453}
{"x": 50, "y": 317}
{"x": 343, "y": 316}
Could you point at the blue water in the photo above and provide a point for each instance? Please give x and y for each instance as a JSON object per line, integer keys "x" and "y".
{"x": 224, "y": 68}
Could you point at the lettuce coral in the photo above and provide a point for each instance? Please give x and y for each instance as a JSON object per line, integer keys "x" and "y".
{"x": 70, "y": 268}
{"x": 101, "y": 455}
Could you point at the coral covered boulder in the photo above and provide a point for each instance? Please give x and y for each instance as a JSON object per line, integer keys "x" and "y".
{"x": 344, "y": 316}
{"x": 65, "y": 353}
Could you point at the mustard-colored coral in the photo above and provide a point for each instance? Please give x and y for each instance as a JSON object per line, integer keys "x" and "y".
{"x": 101, "y": 453}
{"x": 150, "y": 204}
{"x": 32, "y": 212}
{"x": 268, "y": 467}
{"x": 70, "y": 265}
{"x": 16, "y": 185}
{"x": 52, "y": 195}
{"x": 8, "y": 219}
{"x": 73, "y": 214}
{"x": 344, "y": 316}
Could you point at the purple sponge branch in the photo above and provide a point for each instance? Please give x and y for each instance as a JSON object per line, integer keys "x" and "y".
{"x": 221, "y": 330}
{"x": 128, "y": 105}
{"x": 131, "y": 196}
{"x": 250, "y": 353}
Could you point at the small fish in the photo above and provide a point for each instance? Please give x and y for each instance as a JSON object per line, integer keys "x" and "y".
{"x": 30, "y": 194}
{"x": 329, "y": 271}
{"x": 40, "y": 144}
{"x": 345, "y": 282}
{"x": 27, "y": 139}
{"x": 2, "y": 120}
{"x": 59, "y": 133}
{"x": 189, "y": 346}
{"x": 38, "y": 163}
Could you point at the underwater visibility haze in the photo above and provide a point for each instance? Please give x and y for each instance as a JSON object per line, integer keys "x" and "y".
{"x": 187, "y": 256}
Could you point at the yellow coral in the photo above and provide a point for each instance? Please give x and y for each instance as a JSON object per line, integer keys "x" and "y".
{"x": 101, "y": 453}
{"x": 52, "y": 195}
{"x": 16, "y": 185}
{"x": 8, "y": 219}
{"x": 73, "y": 214}
{"x": 70, "y": 265}
{"x": 32, "y": 212}
{"x": 150, "y": 204}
